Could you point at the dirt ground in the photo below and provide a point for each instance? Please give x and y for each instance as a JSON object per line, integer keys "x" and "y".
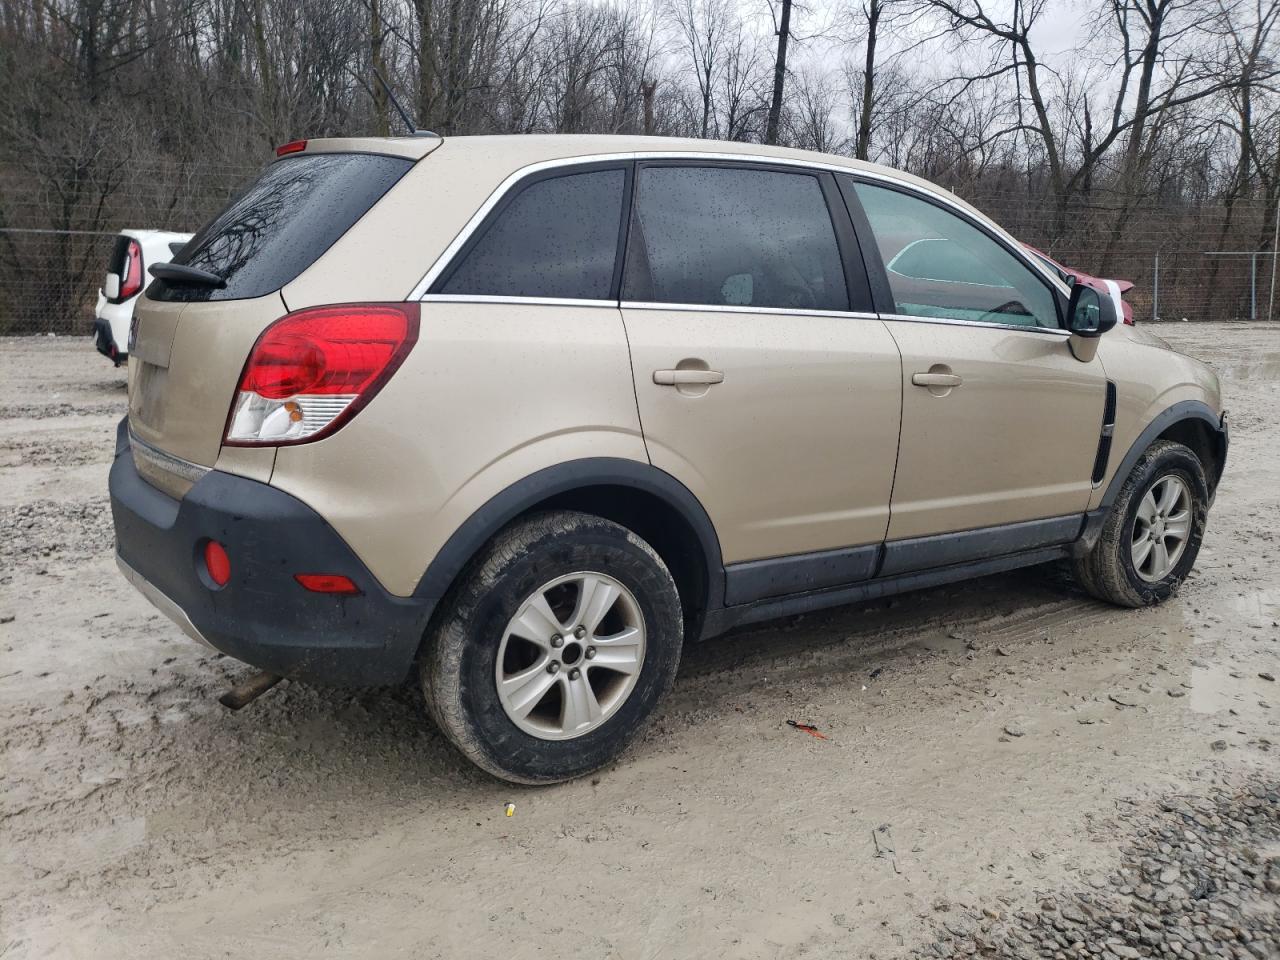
{"x": 989, "y": 743}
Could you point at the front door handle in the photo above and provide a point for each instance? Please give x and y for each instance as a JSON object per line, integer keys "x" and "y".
{"x": 676, "y": 378}
{"x": 936, "y": 379}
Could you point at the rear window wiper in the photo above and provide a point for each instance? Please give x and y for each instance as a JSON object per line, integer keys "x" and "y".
{"x": 181, "y": 273}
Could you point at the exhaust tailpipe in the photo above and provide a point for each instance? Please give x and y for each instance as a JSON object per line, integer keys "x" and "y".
{"x": 245, "y": 693}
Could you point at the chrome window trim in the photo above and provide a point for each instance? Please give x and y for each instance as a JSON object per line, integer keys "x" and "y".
{"x": 956, "y": 322}
{"x": 167, "y": 462}
{"x": 487, "y": 298}
{"x": 443, "y": 261}
{"x": 734, "y": 308}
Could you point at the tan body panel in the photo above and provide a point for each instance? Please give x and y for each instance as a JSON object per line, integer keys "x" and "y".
{"x": 797, "y": 455}
{"x": 1014, "y": 441}
{"x": 794, "y": 451}
{"x": 405, "y": 240}
{"x": 255, "y": 463}
{"x": 491, "y": 393}
{"x": 189, "y": 356}
{"x": 1150, "y": 377}
{"x": 184, "y": 374}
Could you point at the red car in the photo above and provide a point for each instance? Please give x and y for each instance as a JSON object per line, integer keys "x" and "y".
{"x": 1071, "y": 275}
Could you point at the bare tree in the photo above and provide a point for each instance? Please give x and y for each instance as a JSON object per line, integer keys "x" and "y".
{"x": 1162, "y": 127}
{"x": 783, "y": 31}
{"x": 812, "y": 116}
{"x": 702, "y": 27}
{"x": 741, "y": 83}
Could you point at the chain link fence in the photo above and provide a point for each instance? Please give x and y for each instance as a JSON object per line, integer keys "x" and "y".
{"x": 1173, "y": 254}
{"x": 50, "y": 275}
{"x": 58, "y": 223}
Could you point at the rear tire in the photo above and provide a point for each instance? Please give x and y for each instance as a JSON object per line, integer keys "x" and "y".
{"x": 526, "y": 676}
{"x": 1151, "y": 537}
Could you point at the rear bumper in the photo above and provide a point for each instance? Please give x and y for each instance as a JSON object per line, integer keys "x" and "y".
{"x": 262, "y": 616}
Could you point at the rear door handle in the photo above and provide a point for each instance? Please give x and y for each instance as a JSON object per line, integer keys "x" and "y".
{"x": 936, "y": 379}
{"x": 675, "y": 378}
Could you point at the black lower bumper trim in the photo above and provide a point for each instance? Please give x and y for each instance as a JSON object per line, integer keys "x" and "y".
{"x": 263, "y": 616}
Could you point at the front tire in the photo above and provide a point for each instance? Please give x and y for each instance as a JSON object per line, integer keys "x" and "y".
{"x": 1151, "y": 537}
{"x": 551, "y": 653}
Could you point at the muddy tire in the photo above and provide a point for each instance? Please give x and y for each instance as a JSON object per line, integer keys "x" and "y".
{"x": 1152, "y": 535}
{"x": 550, "y": 654}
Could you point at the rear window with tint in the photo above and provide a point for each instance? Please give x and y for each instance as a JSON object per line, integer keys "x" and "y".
{"x": 557, "y": 238}
{"x": 728, "y": 236}
{"x": 281, "y": 224}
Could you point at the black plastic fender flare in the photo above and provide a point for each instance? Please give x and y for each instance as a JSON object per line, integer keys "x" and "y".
{"x": 503, "y": 507}
{"x": 1180, "y": 411}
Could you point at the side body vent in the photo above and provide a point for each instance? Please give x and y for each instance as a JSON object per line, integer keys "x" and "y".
{"x": 1104, "y": 441}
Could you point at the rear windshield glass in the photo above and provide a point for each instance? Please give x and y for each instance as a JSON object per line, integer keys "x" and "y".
{"x": 282, "y": 224}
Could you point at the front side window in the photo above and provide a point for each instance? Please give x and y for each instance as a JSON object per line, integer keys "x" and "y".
{"x": 557, "y": 238}
{"x": 723, "y": 236}
{"x": 940, "y": 265}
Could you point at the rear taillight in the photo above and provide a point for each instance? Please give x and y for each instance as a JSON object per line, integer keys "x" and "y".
{"x": 131, "y": 272}
{"x": 311, "y": 371}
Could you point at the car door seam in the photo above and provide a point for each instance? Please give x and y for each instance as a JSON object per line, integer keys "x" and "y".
{"x": 897, "y": 451}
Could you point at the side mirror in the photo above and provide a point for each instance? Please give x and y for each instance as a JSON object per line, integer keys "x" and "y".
{"x": 1094, "y": 308}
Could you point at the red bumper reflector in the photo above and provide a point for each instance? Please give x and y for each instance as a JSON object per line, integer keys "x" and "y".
{"x": 326, "y": 583}
{"x": 293, "y": 146}
{"x": 216, "y": 562}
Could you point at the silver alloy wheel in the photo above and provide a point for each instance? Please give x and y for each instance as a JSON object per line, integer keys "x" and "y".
{"x": 570, "y": 656}
{"x": 1161, "y": 528}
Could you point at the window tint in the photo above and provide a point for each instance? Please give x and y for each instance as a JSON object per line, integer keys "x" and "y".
{"x": 723, "y": 236}
{"x": 940, "y": 265}
{"x": 282, "y": 223}
{"x": 557, "y": 238}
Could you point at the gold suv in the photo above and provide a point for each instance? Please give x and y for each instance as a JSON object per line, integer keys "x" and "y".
{"x": 526, "y": 414}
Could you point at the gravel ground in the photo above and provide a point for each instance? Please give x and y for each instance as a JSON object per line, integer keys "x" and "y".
{"x": 1197, "y": 877}
{"x": 1011, "y": 769}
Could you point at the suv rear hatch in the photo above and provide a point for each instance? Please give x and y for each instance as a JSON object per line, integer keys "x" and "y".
{"x": 197, "y": 323}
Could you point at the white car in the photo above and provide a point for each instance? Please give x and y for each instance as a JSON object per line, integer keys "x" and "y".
{"x": 127, "y": 276}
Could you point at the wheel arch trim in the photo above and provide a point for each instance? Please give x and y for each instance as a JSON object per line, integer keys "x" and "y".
{"x": 564, "y": 478}
{"x": 1184, "y": 410}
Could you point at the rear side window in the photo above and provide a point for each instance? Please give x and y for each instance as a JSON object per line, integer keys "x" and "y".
{"x": 281, "y": 224}
{"x": 732, "y": 237}
{"x": 557, "y": 237}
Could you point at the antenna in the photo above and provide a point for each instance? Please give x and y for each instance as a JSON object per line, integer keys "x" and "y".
{"x": 408, "y": 121}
